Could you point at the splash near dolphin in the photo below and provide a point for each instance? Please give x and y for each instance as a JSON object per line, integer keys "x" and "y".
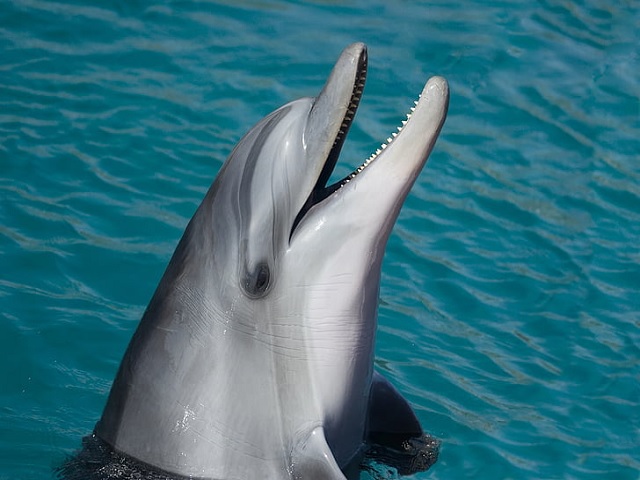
{"x": 254, "y": 358}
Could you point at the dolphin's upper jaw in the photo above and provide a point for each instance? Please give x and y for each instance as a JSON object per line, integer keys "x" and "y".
{"x": 347, "y": 120}
{"x": 337, "y": 103}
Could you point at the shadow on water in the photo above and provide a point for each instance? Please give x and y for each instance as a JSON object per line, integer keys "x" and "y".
{"x": 98, "y": 461}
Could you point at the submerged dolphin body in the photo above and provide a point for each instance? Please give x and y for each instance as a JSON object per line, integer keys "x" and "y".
{"x": 254, "y": 358}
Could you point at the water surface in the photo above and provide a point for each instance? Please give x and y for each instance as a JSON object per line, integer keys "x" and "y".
{"x": 510, "y": 299}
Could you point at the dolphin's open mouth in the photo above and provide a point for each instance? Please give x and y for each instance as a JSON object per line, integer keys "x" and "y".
{"x": 412, "y": 142}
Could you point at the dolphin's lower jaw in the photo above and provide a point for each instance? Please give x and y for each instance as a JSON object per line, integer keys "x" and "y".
{"x": 254, "y": 358}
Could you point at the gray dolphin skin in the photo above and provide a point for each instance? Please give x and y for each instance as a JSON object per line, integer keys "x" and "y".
{"x": 254, "y": 358}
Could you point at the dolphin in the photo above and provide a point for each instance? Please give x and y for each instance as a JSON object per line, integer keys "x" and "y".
{"x": 254, "y": 358}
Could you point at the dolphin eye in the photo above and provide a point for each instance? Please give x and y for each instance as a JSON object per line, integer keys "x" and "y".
{"x": 256, "y": 283}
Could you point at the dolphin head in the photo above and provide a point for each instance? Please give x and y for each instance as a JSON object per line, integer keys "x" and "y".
{"x": 276, "y": 172}
{"x": 270, "y": 211}
{"x": 262, "y": 328}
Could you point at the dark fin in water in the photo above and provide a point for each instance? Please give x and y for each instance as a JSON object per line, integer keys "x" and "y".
{"x": 395, "y": 437}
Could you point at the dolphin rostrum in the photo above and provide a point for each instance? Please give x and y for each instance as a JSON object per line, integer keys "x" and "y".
{"x": 254, "y": 358}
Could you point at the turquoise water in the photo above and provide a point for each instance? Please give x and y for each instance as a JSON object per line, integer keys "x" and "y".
{"x": 510, "y": 303}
